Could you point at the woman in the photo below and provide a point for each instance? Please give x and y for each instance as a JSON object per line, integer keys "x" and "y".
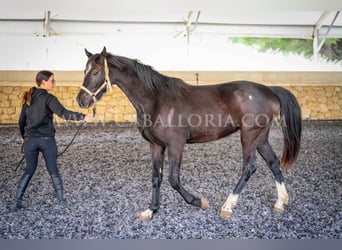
{"x": 38, "y": 133}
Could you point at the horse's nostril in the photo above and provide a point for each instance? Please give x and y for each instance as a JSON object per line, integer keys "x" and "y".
{"x": 80, "y": 101}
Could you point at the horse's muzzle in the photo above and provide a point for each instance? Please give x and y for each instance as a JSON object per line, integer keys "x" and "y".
{"x": 84, "y": 100}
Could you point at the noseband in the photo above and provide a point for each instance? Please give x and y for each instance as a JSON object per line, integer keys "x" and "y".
{"x": 107, "y": 84}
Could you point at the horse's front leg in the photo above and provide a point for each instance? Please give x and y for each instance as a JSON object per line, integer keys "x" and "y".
{"x": 175, "y": 158}
{"x": 157, "y": 153}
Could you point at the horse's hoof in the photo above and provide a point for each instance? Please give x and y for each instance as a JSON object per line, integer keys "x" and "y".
{"x": 278, "y": 209}
{"x": 146, "y": 215}
{"x": 204, "y": 203}
{"x": 226, "y": 214}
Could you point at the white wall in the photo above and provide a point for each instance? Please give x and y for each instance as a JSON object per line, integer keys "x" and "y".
{"x": 163, "y": 53}
{"x": 22, "y": 47}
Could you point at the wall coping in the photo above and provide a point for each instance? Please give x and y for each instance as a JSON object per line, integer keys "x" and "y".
{"x": 285, "y": 78}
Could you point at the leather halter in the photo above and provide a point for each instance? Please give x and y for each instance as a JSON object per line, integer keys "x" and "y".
{"x": 107, "y": 84}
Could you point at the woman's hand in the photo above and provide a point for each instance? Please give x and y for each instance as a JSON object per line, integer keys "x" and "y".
{"x": 88, "y": 118}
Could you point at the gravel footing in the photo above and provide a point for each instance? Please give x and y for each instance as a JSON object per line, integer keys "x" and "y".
{"x": 107, "y": 180}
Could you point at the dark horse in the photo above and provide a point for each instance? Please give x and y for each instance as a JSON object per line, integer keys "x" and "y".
{"x": 171, "y": 113}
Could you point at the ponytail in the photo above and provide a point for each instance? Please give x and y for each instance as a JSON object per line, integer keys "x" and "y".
{"x": 26, "y": 98}
{"x": 40, "y": 76}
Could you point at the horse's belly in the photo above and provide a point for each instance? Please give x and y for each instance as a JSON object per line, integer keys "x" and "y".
{"x": 202, "y": 135}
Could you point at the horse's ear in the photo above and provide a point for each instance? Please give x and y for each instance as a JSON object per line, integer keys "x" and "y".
{"x": 88, "y": 53}
{"x": 104, "y": 51}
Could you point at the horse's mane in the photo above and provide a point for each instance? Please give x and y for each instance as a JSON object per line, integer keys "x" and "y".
{"x": 152, "y": 79}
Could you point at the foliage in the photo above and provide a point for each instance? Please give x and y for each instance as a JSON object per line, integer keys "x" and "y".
{"x": 331, "y": 50}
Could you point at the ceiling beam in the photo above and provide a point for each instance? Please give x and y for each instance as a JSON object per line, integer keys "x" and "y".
{"x": 327, "y": 31}
{"x": 317, "y": 46}
{"x": 89, "y": 27}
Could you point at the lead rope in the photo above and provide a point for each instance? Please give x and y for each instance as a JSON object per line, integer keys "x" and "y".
{"x": 22, "y": 158}
{"x": 60, "y": 154}
{"x": 83, "y": 123}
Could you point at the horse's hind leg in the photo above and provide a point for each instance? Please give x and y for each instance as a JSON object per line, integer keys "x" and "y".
{"x": 157, "y": 153}
{"x": 249, "y": 142}
{"x": 273, "y": 163}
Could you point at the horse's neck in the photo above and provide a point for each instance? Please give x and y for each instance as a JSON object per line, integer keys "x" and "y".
{"x": 140, "y": 102}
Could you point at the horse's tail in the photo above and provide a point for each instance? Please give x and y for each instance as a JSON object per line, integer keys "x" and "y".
{"x": 291, "y": 123}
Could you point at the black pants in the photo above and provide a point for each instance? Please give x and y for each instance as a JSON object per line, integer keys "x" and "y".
{"x": 46, "y": 145}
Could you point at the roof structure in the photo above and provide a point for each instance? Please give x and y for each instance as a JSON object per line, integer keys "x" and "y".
{"x": 103, "y": 17}
{"x": 294, "y": 24}
{"x": 309, "y": 19}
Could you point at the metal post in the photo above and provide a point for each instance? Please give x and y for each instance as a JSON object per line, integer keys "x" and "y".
{"x": 46, "y": 24}
{"x": 327, "y": 32}
{"x": 315, "y": 34}
{"x": 315, "y": 45}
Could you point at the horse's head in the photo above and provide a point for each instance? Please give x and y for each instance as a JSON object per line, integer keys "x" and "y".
{"x": 127, "y": 73}
{"x": 94, "y": 82}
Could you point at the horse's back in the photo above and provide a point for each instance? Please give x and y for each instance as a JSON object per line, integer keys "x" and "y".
{"x": 247, "y": 87}
{"x": 252, "y": 97}
{"x": 246, "y": 95}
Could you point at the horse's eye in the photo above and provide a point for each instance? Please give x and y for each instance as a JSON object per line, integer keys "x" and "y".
{"x": 95, "y": 72}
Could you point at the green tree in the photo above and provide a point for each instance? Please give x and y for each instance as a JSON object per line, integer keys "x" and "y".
{"x": 331, "y": 50}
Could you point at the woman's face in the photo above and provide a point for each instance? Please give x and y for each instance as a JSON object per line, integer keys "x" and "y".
{"x": 49, "y": 84}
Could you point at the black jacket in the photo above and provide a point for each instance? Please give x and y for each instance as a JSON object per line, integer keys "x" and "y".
{"x": 36, "y": 120}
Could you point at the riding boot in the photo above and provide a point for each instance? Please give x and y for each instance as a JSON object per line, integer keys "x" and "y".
{"x": 58, "y": 185}
{"x": 22, "y": 184}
